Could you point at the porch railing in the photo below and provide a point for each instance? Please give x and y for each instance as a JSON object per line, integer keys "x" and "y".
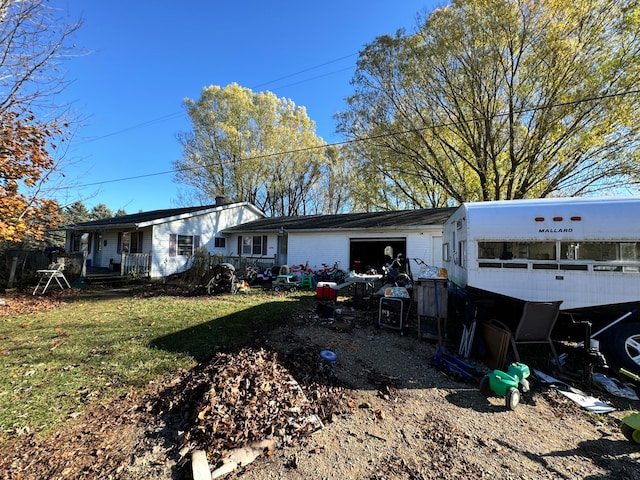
{"x": 136, "y": 264}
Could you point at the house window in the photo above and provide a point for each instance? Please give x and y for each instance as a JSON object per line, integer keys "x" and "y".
{"x": 256, "y": 248}
{"x": 75, "y": 242}
{"x": 246, "y": 245}
{"x": 130, "y": 242}
{"x": 183, "y": 244}
{"x": 252, "y": 245}
{"x": 220, "y": 242}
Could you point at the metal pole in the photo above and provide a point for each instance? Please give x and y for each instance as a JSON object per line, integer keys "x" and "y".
{"x": 613, "y": 323}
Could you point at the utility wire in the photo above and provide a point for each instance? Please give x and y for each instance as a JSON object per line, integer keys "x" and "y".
{"x": 372, "y": 137}
{"x": 178, "y": 114}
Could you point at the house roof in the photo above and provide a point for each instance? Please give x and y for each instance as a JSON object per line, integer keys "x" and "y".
{"x": 349, "y": 221}
{"x": 144, "y": 219}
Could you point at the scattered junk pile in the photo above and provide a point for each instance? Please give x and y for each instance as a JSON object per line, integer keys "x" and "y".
{"x": 422, "y": 306}
{"x": 223, "y": 279}
{"x": 405, "y": 304}
{"x": 491, "y": 355}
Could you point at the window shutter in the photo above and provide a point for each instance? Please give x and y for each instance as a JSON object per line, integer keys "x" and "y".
{"x": 240, "y": 245}
{"x": 264, "y": 245}
{"x": 173, "y": 244}
{"x": 196, "y": 242}
{"x": 119, "y": 242}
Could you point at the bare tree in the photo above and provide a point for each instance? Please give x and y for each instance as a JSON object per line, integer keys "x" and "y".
{"x": 35, "y": 38}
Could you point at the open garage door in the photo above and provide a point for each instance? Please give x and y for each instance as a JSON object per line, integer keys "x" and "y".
{"x": 367, "y": 253}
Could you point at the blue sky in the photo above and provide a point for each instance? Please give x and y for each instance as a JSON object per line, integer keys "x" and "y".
{"x": 143, "y": 58}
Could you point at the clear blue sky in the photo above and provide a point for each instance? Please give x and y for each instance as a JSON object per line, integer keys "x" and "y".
{"x": 145, "y": 57}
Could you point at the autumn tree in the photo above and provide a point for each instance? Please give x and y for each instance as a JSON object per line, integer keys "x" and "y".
{"x": 500, "y": 99}
{"x": 252, "y": 147}
{"x": 34, "y": 38}
{"x": 24, "y": 161}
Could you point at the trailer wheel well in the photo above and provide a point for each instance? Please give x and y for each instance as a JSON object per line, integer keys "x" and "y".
{"x": 621, "y": 346}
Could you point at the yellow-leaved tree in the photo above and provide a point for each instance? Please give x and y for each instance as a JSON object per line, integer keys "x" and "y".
{"x": 24, "y": 162}
{"x": 253, "y": 147}
{"x": 500, "y": 100}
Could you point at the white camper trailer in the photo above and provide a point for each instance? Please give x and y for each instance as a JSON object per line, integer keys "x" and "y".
{"x": 583, "y": 251}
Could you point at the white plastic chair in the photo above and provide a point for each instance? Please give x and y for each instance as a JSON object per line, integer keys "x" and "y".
{"x": 55, "y": 272}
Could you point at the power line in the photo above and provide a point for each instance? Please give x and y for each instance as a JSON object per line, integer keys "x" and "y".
{"x": 171, "y": 116}
{"x": 305, "y": 71}
{"x": 373, "y": 137}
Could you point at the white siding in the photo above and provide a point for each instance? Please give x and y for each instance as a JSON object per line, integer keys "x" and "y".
{"x": 318, "y": 248}
{"x": 108, "y": 253}
{"x": 328, "y": 247}
{"x": 205, "y": 225}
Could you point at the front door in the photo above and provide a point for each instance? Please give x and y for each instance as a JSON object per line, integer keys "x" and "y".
{"x": 281, "y": 258}
{"x": 97, "y": 250}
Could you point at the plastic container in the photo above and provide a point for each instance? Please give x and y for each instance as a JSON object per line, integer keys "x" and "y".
{"x": 326, "y": 291}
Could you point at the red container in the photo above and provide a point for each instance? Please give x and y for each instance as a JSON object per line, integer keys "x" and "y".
{"x": 325, "y": 292}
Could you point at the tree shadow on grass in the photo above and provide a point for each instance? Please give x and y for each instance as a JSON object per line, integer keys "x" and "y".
{"x": 229, "y": 333}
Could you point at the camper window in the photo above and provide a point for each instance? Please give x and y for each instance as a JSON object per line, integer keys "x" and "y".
{"x": 461, "y": 254}
{"x": 445, "y": 252}
{"x": 601, "y": 251}
{"x": 521, "y": 250}
{"x": 630, "y": 251}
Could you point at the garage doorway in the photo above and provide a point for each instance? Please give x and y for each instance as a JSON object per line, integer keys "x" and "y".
{"x": 373, "y": 253}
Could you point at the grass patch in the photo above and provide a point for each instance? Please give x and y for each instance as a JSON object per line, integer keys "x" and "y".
{"x": 57, "y": 363}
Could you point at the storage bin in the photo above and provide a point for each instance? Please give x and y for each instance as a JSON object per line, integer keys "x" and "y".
{"x": 326, "y": 291}
{"x": 432, "y": 298}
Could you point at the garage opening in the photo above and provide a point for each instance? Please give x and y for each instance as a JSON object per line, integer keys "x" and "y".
{"x": 372, "y": 253}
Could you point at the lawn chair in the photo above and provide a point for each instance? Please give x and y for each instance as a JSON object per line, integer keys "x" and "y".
{"x": 54, "y": 272}
{"x": 535, "y": 326}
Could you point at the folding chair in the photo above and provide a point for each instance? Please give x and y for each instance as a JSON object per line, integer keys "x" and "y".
{"x": 469, "y": 330}
{"x": 535, "y": 326}
{"x": 55, "y": 272}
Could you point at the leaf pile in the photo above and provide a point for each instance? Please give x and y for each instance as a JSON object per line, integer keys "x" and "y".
{"x": 19, "y": 303}
{"x": 250, "y": 395}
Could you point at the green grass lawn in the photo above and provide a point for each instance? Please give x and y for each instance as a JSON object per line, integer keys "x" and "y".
{"x": 93, "y": 349}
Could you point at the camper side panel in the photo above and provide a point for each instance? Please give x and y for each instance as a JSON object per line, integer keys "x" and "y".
{"x": 585, "y": 252}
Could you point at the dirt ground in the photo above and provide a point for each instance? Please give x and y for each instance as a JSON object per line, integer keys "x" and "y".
{"x": 385, "y": 413}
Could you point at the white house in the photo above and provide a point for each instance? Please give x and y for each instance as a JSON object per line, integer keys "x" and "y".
{"x": 354, "y": 241}
{"x": 161, "y": 241}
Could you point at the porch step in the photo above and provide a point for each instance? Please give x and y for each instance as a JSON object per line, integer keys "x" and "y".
{"x": 106, "y": 278}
